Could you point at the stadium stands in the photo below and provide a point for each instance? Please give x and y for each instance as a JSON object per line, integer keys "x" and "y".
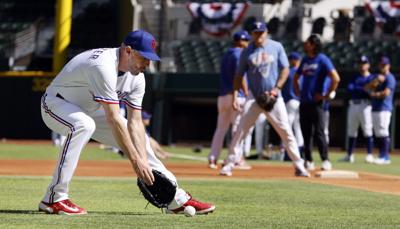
{"x": 203, "y": 56}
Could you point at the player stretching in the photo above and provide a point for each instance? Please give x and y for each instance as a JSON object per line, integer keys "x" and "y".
{"x": 359, "y": 112}
{"x": 82, "y": 102}
{"x": 226, "y": 114}
{"x": 381, "y": 90}
{"x": 261, "y": 61}
{"x": 314, "y": 68}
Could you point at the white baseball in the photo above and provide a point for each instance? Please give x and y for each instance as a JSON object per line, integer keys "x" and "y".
{"x": 189, "y": 211}
{"x": 332, "y": 95}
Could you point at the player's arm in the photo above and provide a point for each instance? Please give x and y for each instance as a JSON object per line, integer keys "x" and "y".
{"x": 238, "y": 83}
{"x": 281, "y": 80}
{"x": 296, "y": 85}
{"x": 380, "y": 94}
{"x": 128, "y": 146}
{"x": 374, "y": 83}
{"x": 335, "y": 79}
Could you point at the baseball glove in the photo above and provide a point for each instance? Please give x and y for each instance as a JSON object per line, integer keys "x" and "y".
{"x": 266, "y": 101}
{"x": 161, "y": 193}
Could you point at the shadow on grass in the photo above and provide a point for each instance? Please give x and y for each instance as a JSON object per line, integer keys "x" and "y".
{"x": 27, "y": 212}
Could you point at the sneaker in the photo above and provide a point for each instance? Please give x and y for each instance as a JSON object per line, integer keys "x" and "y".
{"x": 382, "y": 161}
{"x": 227, "y": 170}
{"x": 347, "y": 158}
{"x": 212, "y": 164}
{"x": 201, "y": 208}
{"x": 310, "y": 166}
{"x": 369, "y": 158}
{"x": 63, "y": 207}
{"x": 326, "y": 165}
{"x": 242, "y": 165}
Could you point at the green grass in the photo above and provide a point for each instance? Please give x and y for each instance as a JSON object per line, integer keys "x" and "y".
{"x": 116, "y": 203}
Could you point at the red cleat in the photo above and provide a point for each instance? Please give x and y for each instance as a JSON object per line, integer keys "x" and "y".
{"x": 201, "y": 208}
{"x": 63, "y": 207}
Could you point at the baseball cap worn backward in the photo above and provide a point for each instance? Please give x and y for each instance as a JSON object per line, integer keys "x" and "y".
{"x": 241, "y": 35}
{"x": 259, "y": 26}
{"x": 144, "y": 43}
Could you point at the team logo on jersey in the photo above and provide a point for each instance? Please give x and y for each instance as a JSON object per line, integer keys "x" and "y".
{"x": 262, "y": 61}
{"x": 309, "y": 69}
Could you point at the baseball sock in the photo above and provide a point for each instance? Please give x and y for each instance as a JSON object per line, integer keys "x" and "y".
{"x": 384, "y": 144}
{"x": 386, "y": 147}
{"x": 352, "y": 143}
{"x": 370, "y": 144}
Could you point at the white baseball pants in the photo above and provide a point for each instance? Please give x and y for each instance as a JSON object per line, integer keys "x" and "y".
{"x": 381, "y": 122}
{"x": 293, "y": 112}
{"x": 70, "y": 120}
{"x": 278, "y": 119}
{"x": 359, "y": 113}
{"x": 226, "y": 117}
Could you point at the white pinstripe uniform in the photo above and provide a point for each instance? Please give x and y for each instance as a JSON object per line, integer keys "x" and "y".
{"x": 71, "y": 107}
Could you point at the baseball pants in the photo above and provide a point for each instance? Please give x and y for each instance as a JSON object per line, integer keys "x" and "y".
{"x": 292, "y": 108}
{"x": 226, "y": 117}
{"x": 70, "y": 120}
{"x": 381, "y": 123}
{"x": 278, "y": 119}
{"x": 359, "y": 113}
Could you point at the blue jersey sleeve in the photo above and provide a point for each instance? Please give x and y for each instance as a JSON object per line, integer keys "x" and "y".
{"x": 283, "y": 60}
{"x": 242, "y": 67}
{"x": 328, "y": 64}
{"x": 391, "y": 83}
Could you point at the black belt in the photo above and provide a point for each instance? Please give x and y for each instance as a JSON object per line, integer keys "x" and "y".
{"x": 59, "y": 96}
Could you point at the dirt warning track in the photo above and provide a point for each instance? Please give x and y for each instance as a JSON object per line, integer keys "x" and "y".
{"x": 367, "y": 181}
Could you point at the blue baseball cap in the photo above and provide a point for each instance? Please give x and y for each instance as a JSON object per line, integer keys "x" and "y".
{"x": 241, "y": 35}
{"x": 364, "y": 59}
{"x": 294, "y": 56}
{"x": 144, "y": 43}
{"x": 384, "y": 60}
{"x": 259, "y": 26}
{"x": 145, "y": 115}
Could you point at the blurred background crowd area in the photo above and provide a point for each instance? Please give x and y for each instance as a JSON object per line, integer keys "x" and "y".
{"x": 192, "y": 37}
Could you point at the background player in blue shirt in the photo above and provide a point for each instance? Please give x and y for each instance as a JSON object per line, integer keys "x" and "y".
{"x": 267, "y": 68}
{"x": 382, "y": 89}
{"x": 226, "y": 114}
{"x": 292, "y": 101}
{"x": 314, "y": 69}
{"x": 359, "y": 112}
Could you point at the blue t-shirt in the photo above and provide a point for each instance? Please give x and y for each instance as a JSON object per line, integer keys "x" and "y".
{"x": 314, "y": 71}
{"x": 385, "y": 104}
{"x": 288, "y": 89}
{"x": 356, "y": 86}
{"x": 229, "y": 64}
{"x": 262, "y": 65}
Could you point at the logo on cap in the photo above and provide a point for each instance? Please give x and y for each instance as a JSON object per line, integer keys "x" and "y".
{"x": 153, "y": 44}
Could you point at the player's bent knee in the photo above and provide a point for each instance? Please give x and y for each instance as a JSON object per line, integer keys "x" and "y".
{"x": 87, "y": 124}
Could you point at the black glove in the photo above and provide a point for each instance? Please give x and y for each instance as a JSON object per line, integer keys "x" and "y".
{"x": 266, "y": 101}
{"x": 161, "y": 193}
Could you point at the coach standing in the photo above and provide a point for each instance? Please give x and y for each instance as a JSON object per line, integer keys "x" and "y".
{"x": 267, "y": 68}
{"x": 381, "y": 90}
{"x": 314, "y": 68}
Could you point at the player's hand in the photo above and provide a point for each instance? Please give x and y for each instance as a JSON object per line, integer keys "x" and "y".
{"x": 318, "y": 97}
{"x": 274, "y": 92}
{"x": 144, "y": 171}
{"x": 235, "y": 105}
